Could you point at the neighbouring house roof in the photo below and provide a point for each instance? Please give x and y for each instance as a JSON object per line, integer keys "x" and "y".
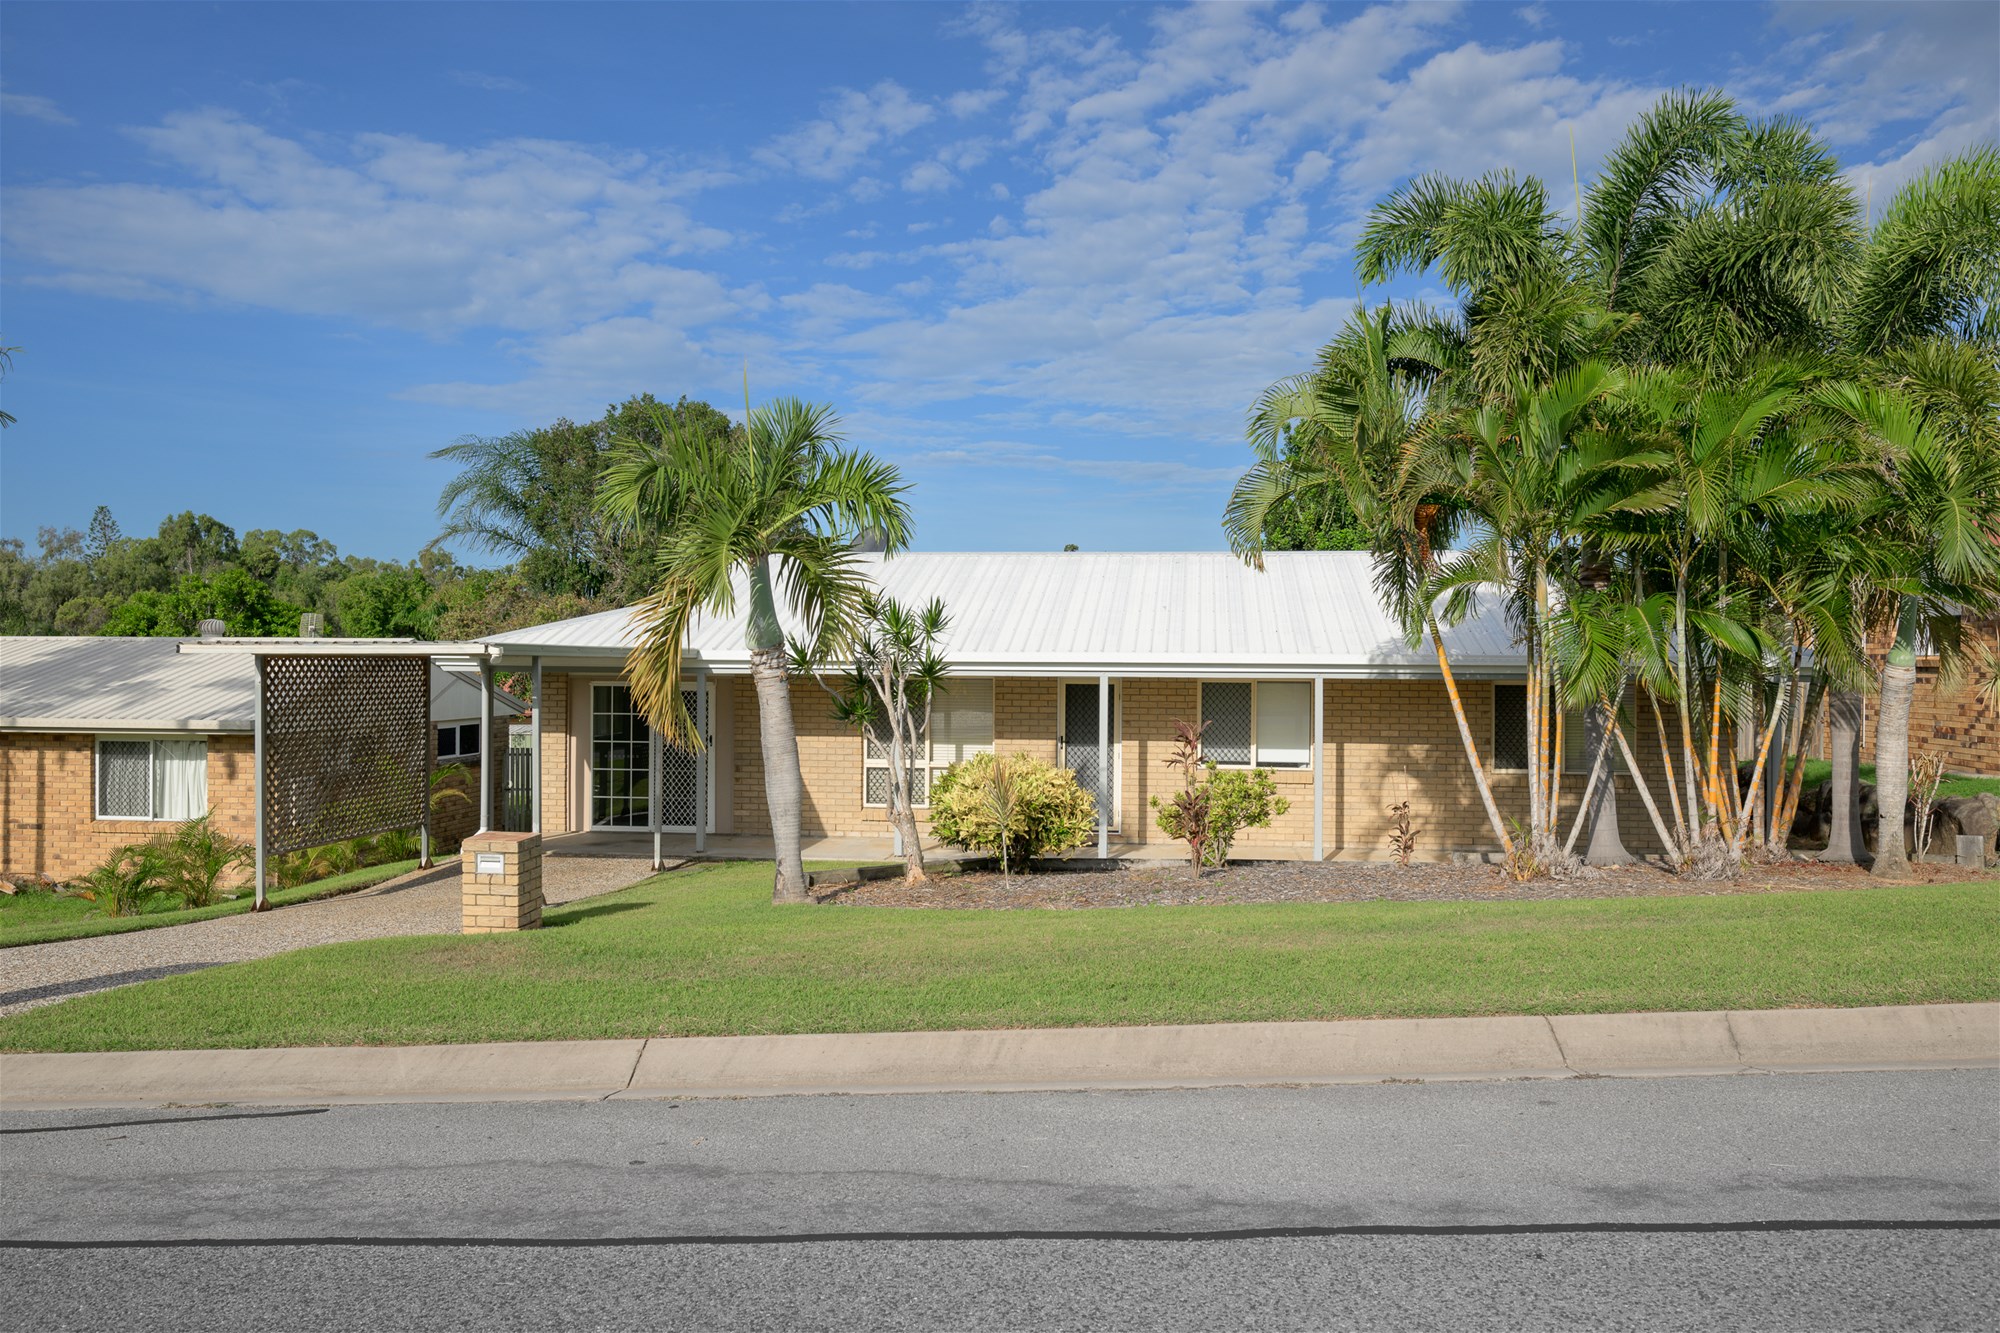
{"x": 110, "y": 684}
{"x": 1131, "y": 614}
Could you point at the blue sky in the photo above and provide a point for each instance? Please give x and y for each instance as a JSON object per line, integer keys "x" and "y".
{"x": 263, "y": 258}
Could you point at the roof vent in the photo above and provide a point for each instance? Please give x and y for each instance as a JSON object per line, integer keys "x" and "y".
{"x": 312, "y": 625}
{"x": 871, "y": 540}
{"x": 212, "y": 629}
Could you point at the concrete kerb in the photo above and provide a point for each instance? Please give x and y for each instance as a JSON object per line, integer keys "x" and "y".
{"x": 1225, "y": 1054}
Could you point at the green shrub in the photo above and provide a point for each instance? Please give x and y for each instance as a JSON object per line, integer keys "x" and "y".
{"x": 122, "y": 885}
{"x": 396, "y": 845}
{"x": 1050, "y": 812}
{"x": 193, "y": 859}
{"x": 1210, "y": 813}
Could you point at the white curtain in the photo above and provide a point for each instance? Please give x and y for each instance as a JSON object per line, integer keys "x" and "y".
{"x": 180, "y": 779}
{"x": 1284, "y": 723}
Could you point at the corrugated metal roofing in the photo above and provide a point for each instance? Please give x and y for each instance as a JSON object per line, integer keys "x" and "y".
{"x": 108, "y": 684}
{"x": 1132, "y": 613}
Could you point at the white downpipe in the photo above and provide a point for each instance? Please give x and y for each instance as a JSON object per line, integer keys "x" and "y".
{"x": 257, "y": 744}
{"x": 1319, "y": 768}
{"x": 485, "y": 746}
{"x": 1106, "y": 787}
{"x": 654, "y": 769}
{"x": 535, "y": 752}
{"x": 702, "y": 762}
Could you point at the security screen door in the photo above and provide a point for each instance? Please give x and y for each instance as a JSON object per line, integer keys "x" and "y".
{"x": 1079, "y": 742}
{"x": 619, "y": 737}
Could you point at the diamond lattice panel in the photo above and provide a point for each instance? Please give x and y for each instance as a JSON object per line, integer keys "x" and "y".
{"x": 346, "y": 748}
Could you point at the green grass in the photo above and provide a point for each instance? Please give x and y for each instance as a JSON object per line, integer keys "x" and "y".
{"x": 1820, "y": 770}
{"x": 38, "y": 918}
{"x": 703, "y": 952}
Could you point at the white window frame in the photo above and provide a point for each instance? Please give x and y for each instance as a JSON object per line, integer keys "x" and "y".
{"x": 152, "y": 776}
{"x": 458, "y": 737}
{"x": 932, "y": 766}
{"x": 1201, "y": 708}
{"x": 1493, "y": 726}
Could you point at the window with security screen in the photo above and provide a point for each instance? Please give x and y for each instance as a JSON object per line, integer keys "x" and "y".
{"x": 961, "y": 725}
{"x": 141, "y": 778}
{"x": 1267, "y": 723}
{"x": 1510, "y": 727}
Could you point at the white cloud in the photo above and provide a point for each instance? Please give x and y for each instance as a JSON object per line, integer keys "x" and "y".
{"x": 928, "y": 178}
{"x": 34, "y": 108}
{"x": 522, "y": 235}
{"x": 852, "y": 125}
{"x": 491, "y": 83}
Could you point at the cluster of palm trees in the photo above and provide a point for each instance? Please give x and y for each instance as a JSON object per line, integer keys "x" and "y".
{"x": 1712, "y": 440}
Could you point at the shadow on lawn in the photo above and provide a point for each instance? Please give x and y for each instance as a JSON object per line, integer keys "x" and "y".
{"x": 570, "y": 916}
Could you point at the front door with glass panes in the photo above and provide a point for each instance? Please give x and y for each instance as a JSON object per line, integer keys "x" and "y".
{"x": 1078, "y": 735}
{"x": 620, "y": 780}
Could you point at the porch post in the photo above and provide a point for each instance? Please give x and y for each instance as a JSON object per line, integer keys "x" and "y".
{"x": 1104, "y": 781}
{"x": 701, "y": 761}
{"x": 535, "y": 752}
{"x": 1319, "y": 768}
{"x": 653, "y": 769}
{"x": 257, "y": 784}
{"x": 485, "y": 744}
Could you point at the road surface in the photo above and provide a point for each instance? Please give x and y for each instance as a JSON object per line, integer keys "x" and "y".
{"x": 1822, "y": 1202}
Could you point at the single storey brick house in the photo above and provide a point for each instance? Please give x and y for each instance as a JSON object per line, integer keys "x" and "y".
{"x": 106, "y": 741}
{"x": 1298, "y": 669}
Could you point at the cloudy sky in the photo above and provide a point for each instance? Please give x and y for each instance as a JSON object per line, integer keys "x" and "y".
{"x": 262, "y": 258}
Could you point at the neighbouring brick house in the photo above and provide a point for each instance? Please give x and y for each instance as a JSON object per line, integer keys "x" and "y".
{"x": 106, "y": 741}
{"x": 1952, "y": 722}
{"x": 1035, "y": 641}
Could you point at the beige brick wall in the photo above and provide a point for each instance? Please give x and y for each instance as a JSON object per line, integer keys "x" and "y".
{"x": 47, "y": 803}
{"x": 1385, "y": 740}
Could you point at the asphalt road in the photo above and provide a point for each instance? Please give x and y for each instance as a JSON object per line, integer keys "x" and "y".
{"x": 1822, "y": 1202}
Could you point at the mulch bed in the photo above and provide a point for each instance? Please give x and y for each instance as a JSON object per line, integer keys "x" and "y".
{"x": 1119, "y": 884}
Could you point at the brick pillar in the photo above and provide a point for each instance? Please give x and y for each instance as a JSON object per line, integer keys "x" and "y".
{"x": 510, "y": 899}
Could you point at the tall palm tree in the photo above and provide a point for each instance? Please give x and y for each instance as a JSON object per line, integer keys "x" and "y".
{"x": 1920, "y": 312}
{"x": 773, "y": 513}
{"x": 1349, "y": 428}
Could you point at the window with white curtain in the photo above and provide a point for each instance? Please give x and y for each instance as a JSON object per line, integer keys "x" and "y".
{"x": 961, "y": 726}
{"x": 152, "y": 778}
{"x": 1267, "y": 723}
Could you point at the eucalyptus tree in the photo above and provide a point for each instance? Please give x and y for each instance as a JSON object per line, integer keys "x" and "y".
{"x": 773, "y": 514}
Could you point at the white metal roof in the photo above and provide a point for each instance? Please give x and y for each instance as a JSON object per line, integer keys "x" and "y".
{"x": 1127, "y": 613}
{"x": 111, "y": 684}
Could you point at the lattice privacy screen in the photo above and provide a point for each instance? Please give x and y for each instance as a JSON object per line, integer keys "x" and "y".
{"x": 346, "y": 748}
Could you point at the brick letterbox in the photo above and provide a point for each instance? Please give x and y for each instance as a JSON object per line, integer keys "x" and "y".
{"x": 500, "y": 882}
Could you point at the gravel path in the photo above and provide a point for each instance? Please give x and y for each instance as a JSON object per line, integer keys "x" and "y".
{"x": 1128, "y": 884}
{"x": 423, "y": 903}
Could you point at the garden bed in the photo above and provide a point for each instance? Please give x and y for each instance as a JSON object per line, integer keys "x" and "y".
{"x": 1085, "y": 884}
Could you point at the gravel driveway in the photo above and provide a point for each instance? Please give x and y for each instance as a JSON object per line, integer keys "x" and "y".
{"x": 423, "y": 903}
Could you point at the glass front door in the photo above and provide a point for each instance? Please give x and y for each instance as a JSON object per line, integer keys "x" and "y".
{"x": 620, "y": 777}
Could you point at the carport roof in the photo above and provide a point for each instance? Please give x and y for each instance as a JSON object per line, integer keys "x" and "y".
{"x": 93, "y": 683}
{"x": 1126, "y": 613}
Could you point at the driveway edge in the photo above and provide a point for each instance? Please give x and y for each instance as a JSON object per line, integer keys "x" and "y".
{"x": 1944, "y": 1036}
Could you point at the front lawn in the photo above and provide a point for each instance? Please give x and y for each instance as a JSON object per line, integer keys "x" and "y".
{"x": 703, "y": 952}
{"x": 1820, "y": 770}
{"x": 35, "y": 917}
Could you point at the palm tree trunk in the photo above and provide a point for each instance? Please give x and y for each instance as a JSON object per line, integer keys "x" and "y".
{"x": 1667, "y": 766}
{"x": 784, "y": 785}
{"x": 1471, "y": 749}
{"x": 1892, "y": 746}
{"x": 1843, "y": 842}
{"x": 1640, "y": 785}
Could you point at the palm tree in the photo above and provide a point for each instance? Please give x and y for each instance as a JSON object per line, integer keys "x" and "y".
{"x": 1349, "y": 429}
{"x": 1920, "y": 312}
{"x": 776, "y": 511}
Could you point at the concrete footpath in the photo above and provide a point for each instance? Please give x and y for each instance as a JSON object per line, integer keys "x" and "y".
{"x": 1945, "y": 1036}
